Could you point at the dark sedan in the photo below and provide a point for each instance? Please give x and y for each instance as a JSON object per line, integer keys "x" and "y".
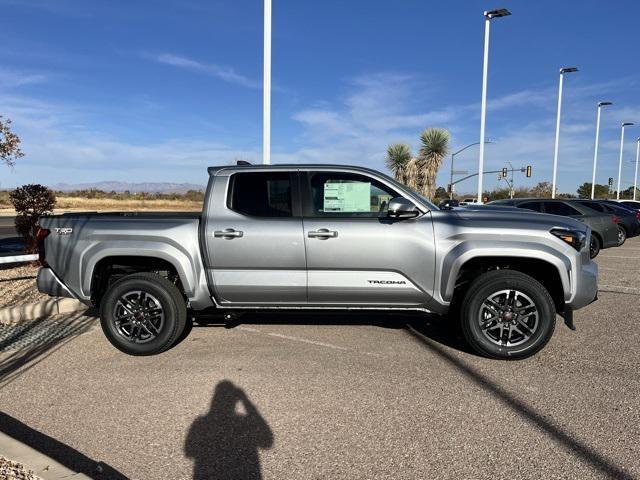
{"x": 604, "y": 229}
{"x": 628, "y": 224}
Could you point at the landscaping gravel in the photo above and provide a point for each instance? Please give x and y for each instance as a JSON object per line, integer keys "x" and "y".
{"x": 18, "y": 286}
{"x": 10, "y": 470}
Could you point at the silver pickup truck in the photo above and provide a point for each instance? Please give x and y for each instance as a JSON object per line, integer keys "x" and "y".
{"x": 321, "y": 237}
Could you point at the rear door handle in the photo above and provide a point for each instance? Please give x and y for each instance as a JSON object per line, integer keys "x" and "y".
{"x": 323, "y": 234}
{"x": 228, "y": 233}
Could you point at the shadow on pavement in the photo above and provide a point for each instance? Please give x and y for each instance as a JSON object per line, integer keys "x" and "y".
{"x": 579, "y": 449}
{"x": 34, "y": 341}
{"x": 60, "y": 452}
{"x": 224, "y": 443}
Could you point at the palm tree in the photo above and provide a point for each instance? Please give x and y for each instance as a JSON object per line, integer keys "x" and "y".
{"x": 435, "y": 146}
{"x": 398, "y": 156}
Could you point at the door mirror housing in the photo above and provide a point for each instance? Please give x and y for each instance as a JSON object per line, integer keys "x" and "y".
{"x": 400, "y": 207}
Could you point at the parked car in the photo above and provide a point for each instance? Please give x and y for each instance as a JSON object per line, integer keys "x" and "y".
{"x": 628, "y": 220}
{"x": 320, "y": 237}
{"x": 448, "y": 203}
{"x": 630, "y": 203}
{"x": 604, "y": 226}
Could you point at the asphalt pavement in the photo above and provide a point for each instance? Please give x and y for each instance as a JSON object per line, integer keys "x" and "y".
{"x": 345, "y": 396}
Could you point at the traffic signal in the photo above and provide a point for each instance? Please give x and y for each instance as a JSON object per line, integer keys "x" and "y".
{"x": 610, "y": 181}
{"x": 504, "y": 172}
{"x": 528, "y": 171}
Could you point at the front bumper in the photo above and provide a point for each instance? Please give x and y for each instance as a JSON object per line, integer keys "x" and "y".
{"x": 49, "y": 283}
{"x": 586, "y": 286}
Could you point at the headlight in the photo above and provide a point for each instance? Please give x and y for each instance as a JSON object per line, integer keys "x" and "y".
{"x": 574, "y": 238}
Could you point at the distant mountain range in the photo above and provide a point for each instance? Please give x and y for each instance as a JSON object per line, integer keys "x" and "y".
{"x": 112, "y": 186}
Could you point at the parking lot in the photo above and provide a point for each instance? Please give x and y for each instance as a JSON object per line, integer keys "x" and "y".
{"x": 318, "y": 396}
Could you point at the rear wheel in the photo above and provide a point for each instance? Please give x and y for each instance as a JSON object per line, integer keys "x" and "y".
{"x": 143, "y": 314}
{"x": 507, "y": 315}
{"x": 594, "y": 246}
{"x": 622, "y": 235}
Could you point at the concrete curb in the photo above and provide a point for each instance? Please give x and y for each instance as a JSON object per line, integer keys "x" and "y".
{"x": 45, "y": 308}
{"x": 43, "y": 466}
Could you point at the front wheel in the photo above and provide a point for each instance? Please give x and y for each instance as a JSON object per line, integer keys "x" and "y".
{"x": 143, "y": 314}
{"x": 594, "y": 247}
{"x": 507, "y": 315}
{"x": 622, "y": 235}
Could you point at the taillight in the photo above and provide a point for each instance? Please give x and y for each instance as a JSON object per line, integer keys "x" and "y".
{"x": 40, "y": 236}
{"x": 615, "y": 219}
{"x": 638, "y": 214}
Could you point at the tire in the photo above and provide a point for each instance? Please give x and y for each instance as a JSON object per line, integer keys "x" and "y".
{"x": 490, "y": 341}
{"x": 158, "y": 326}
{"x": 622, "y": 235}
{"x": 594, "y": 246}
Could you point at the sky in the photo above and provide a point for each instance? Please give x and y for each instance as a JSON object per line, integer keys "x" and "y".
{"x": 156, "y": 91}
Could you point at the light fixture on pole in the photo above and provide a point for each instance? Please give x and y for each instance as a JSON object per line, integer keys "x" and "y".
{"x": 635, "y": 178}
{"x": 555, "y": 153}
{"x": 625, "y": 124}
{"x": 266, "y": 86}
{"x": 488, "y": 16}
{"x": 453, "y": 155}
{"x": 595, "y": 154}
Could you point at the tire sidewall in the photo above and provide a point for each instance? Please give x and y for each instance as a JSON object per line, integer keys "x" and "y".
{"x": 623, "y": 231}
{"x": 598, "y": 247}
{"x": 170, "y": 309}
{"x": 489, "y": 286}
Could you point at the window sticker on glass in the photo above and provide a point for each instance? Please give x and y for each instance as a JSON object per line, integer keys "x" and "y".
{"x": 347, "y": 197}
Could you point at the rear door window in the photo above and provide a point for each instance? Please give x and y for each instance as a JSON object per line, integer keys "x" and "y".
{"x": 537, "y": 206}
{"x": 261, "y": 194}
{"x": 560, "y": 208}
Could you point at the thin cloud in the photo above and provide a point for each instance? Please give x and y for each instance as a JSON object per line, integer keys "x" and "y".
{"x": 222, "y": 72}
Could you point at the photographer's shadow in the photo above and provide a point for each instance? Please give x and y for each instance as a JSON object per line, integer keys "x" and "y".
{"x": 224, "y": 443}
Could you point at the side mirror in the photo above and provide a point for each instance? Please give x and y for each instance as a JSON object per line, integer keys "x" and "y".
{"x": 400, "y": 207}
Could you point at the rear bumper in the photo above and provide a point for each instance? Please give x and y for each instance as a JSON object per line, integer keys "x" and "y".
{"x": 586, "y": 286}
{"x": 49, "y": 283}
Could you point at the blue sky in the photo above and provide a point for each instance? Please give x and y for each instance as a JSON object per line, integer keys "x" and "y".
{"x": 158, "y": 90}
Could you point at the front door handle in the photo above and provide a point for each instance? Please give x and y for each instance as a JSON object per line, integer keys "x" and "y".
{"x": 228, "y": 233}
{"x": 323, "y": 234}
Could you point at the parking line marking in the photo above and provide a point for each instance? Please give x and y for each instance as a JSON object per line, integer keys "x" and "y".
{"x": 312, "y": 342}
{"x": 617, "y": 256}
{"x": 619, "y": 289}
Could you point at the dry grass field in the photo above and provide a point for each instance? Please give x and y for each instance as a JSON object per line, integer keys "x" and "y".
{"x": 77, "y": 204}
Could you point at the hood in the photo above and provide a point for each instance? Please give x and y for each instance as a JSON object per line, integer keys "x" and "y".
{"x": 486, "y": 216}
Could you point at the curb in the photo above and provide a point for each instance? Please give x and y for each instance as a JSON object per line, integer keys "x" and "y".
{"x": 45, "y": 308}
{"x": 42, "y": 465}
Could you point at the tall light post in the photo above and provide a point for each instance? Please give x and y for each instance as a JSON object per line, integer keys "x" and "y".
{"x": 453, "y": 155}
{"x": 266, "y": 86}
{"x": 635, "y": 178}
{"x": 488, "y": 16}
{"x": 555, "y": 153}
{"x": 595, "y": 154}
{"x": 625, "y": 124}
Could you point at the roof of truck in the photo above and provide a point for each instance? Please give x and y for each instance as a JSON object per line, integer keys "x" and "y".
{"x": 214, "y": 169}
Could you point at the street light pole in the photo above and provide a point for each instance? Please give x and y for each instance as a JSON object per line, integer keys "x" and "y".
{"x": 555, "y": 154}
{"x": 266, "y": 86}
{"x": 502, "y": 12}
{"x": 452, "y": 160}
{"x": 635, "y": 178}
{"x": 625, "y": 124}
{"x": 595, "y": 154}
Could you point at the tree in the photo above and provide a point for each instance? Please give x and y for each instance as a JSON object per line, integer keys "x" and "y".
{"x": 30, "y": 202}
{"x": 9, "y": 144}
{"x": 601, "y": 191}
{"x": 541, "y": 190}
{"x": 398, "y": 156}
{"x": 441, "y": 192}
{"x": 435, "y": 146}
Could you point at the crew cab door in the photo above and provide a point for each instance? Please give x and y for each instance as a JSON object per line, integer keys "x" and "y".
{"x": 253, "y": 235}
{"x": 355, "y": 254}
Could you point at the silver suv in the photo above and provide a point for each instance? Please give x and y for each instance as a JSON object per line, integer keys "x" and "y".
{"x": 321, "y": 237}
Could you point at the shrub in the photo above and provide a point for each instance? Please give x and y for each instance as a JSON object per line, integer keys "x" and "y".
{"x": 30, "y": 202}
